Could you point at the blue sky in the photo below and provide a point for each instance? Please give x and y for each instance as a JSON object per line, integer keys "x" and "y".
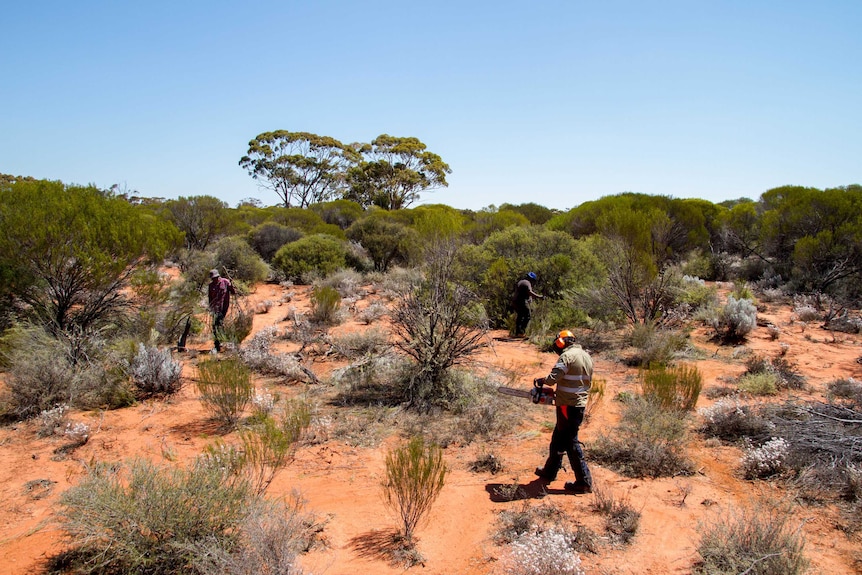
{"x": 556, "y": 103}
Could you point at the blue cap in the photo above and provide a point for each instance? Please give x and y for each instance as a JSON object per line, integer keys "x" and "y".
{"x": 531, "y": 275}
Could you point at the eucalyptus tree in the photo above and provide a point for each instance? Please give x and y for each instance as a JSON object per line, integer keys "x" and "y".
{"x": 393, "y": 171}
{"x": 302, "y": 168}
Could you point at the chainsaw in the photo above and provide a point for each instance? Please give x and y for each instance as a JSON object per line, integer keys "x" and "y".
{"x": 542, "y": 395}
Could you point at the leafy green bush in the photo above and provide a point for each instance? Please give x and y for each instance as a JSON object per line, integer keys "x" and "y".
{"x": 325, "y": 303}
{"x": 145, "y": 520}
{"x": 268, "y": 237}
{"x": 270, "y": 443}
{"x": 240, "y": 260}
{"x": 387, "y": 241}
{"x": 318, "y": 254}
{"x": 672, "y": 388}
{"x": 225, "y": 388}
{"x": 763, "y": 383}
{"x": 654, "y": 346}
{"x": 757, "y": 541}
{"x": 415, "y": 475}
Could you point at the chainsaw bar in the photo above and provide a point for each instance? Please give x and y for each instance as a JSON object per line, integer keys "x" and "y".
{"x": 545, "y": 396}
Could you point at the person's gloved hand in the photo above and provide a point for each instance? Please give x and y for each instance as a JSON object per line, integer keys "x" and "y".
{"x": 539, "y": 382}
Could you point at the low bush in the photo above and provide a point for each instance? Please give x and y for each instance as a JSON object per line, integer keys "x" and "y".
{"x": 655, "y": 346}
{"x": 622, "y": 520}
{"x": 765, "y": 460}
{"x": 672, "y": 388}
{"x": 225, "y": 388}
{"x": 729, "y": 420}
{"x": 356, "y": 344}
{"x": 147, "y": 520}
{"x": 256, "y": 353}
{"x": 757, "y": 541}
{"x": 325, "y": 304}
{"x": 737, "y": 319}
{"x": 542, "y": 553}
{"x": 372, "y": 313}
{"x": 44, "y": 372}
{"x": 154, "y": 371}
{"x": 763, "y": 383}
{"x": 648, "y": 442}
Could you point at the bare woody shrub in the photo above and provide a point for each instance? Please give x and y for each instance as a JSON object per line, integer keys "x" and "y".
{"x": 438, "y": 325}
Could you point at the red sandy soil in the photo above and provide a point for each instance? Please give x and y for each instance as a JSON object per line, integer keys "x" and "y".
{"x": 341, "y": 482}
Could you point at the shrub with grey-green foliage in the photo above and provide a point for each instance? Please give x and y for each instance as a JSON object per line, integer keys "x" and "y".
{"x": 268, "y": 237}
{"x": 325, "y": 305}
{"x": 729, "y": 419}
{"x": 356, "y": 344}
{"x": 239, "y": 261}
{"x": 372, "y": 312}
{"x": 257, "y": 354}
{"x": 347, "y": 282}
{"x": 155, "y": 372}
{"x": 737, "y": 319}
{"x": 756, "y": 541}
{"x": 44, "y": 372}
{"x": 270, "y": 539}
{"x": 647, "y": 442}
{"x": 147, "y": 520}
{"x": 536, "y": 553}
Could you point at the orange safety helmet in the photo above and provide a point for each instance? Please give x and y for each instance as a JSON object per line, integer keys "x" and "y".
{"x": 564, "y": 339}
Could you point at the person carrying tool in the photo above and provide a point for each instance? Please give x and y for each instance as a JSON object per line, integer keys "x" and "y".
{"x": 219, "y": 301}
{"x": 572, "y": 375}
{"x": 521, "y": 302}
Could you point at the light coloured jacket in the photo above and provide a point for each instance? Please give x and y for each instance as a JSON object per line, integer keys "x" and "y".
{"x": 572, "y": 375}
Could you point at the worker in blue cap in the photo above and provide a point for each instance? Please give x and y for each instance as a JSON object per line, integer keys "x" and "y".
{"x": 524, "y": 294}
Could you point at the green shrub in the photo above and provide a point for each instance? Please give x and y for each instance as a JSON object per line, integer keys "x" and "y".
{"x": 672, "y": 388}
{"x": 655, "y": 346}
{"x": 763, "y": 383}
{"x": 234, "y": 255}
{"x": 269, "y": 444}
{"x": 325, "y": 303}
{"x": 268, "y": 237}
{"x": 146, "y": 520}
{"x": 316, "y": 254}
{"x": 757, "y": 541}
{"x": 225, "y": 388}
{"x": 415, "y": 475}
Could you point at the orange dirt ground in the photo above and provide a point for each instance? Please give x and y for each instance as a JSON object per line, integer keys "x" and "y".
{"x": 342, "y": 483}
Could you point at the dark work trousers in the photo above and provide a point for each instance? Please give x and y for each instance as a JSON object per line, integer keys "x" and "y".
{"x": 523, "y": 311}
{"x": 218, "y": 323}
{"x": 565, "y": 440}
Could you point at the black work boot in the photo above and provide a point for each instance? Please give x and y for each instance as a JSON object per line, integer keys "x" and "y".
{"x": 578, "y": 487}
{"x": 545, "y": 473}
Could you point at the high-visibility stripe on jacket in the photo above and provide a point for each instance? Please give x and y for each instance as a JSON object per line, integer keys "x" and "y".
{"x": 573, "y": 376}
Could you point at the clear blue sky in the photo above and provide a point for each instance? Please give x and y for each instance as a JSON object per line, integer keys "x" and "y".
{"x": 549, "y": 102}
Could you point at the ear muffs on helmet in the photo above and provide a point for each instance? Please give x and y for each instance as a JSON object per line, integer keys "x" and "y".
{"x": 564, "y": 339}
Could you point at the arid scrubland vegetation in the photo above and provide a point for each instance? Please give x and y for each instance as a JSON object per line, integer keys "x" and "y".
{"x": 352, "y": 422}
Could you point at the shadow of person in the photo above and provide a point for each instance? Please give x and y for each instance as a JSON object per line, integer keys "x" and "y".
{"x": 503, "y": 492}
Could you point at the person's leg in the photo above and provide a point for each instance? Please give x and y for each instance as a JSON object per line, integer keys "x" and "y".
{"x": 555, "y": 451}
{"x": 522, "y": 320}
{"x": 574, "y": 449}
{"x": 218, "y": 320}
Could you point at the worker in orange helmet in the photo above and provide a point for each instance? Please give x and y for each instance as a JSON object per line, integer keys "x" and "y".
{"x": 572, "y": 375}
